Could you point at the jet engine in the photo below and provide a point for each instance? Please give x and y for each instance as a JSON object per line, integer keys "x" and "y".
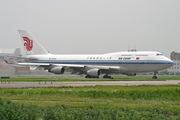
{"x": 57, "y": 70}
{"x": 94, "y": 72}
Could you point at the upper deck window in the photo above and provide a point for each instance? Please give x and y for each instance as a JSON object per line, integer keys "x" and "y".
{"x": 159, "y": 54}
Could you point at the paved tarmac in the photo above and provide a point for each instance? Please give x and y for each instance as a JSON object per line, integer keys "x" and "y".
{"x": 84, "y": 83}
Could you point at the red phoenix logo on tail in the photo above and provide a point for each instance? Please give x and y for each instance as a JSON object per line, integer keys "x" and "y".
{"x": 28, "y": 43}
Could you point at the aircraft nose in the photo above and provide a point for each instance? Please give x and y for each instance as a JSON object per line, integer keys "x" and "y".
{"x": 170, "y": 63}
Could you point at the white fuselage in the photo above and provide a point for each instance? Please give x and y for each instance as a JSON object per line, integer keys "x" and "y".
{"x": 129, "y": 62}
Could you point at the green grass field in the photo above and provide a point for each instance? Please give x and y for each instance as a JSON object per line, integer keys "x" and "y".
{"x": 99, "y": 96}
{"x": 79, "y": 78}
{"x": 92, "y": 102}
{"x": 162, "y": 100}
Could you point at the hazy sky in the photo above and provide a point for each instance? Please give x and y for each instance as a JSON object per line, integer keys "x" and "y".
{"x": 93, "y": 26}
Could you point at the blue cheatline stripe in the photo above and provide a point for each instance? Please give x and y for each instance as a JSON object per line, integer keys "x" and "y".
{"x": 104, "y": 61}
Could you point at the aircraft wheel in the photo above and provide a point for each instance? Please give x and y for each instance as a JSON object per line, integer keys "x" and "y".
{"x": 108, "y": 77}
{"x": 154, "y": 77}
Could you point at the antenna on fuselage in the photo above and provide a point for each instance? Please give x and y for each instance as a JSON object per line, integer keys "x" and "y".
{"x": 129, "y": 48}
{"x": 133, "y": 50}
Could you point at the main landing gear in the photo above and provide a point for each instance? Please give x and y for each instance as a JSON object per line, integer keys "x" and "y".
{"x": 155, "y": 77}
{"x": 87, "y": 76}
{"x": 105, "y": 77}
{"x": 108, "y": 77}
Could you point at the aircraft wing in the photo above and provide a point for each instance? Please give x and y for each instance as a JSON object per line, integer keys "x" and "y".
{"x": 74, "y": 68}
{"x": 71, "y": 66}
{"x": 48, "y": 65}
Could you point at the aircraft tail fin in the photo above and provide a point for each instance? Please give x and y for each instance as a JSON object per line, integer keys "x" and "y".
{"x": 30, "y": 44}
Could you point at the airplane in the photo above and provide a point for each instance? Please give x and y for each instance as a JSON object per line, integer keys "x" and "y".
{"x": 92, "y": 65}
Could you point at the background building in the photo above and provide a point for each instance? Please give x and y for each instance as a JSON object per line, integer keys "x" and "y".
{"x": 175, "y": 57}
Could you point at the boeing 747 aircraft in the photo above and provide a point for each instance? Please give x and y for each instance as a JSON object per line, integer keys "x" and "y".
{"x": 92, "y": 65}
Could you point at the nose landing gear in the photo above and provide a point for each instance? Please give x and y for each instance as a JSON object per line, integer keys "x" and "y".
{"x": 155, "y": 77}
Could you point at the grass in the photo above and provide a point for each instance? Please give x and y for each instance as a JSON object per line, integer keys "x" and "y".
{"x": 143, "y": 96}
{"x": 12, "y": 111}
{"x": 80, "y": 78}
{"x": 91, "y": 102}
{"x": 125, "y": 102}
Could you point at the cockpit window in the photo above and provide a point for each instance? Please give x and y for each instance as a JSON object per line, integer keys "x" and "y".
{"x": 159, "y": 54}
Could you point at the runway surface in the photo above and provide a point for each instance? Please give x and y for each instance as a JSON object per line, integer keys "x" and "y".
{"x": 85, "y": 83}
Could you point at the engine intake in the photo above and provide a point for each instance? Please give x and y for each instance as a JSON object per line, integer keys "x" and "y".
{"x": 94, "y": 72}
{"x": 57, "y": 70}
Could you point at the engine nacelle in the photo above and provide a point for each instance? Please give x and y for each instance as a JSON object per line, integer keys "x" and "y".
{"x": 57, "y": 70}
{"x": 94, "y": 72}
